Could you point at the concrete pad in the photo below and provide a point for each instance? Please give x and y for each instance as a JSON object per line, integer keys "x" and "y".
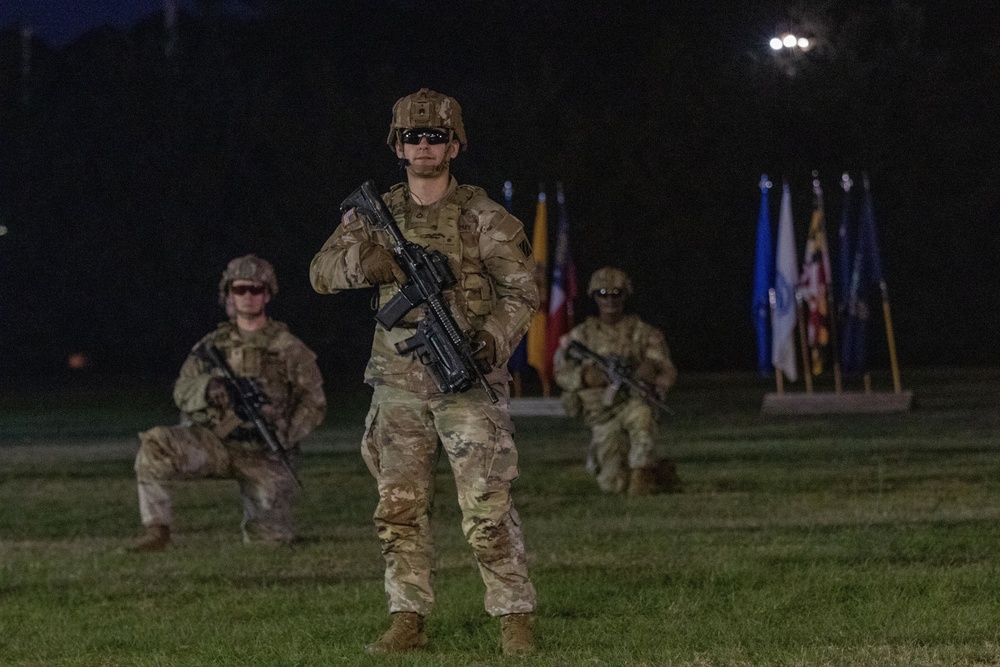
{"x": 822, "y": 403}
{"x": 536, "y": 406}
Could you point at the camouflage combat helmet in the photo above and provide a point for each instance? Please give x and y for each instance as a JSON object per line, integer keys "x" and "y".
{"x": 426, "y": 108}
{"x": 609, "y": 278}
{"x": 248, "y": 267}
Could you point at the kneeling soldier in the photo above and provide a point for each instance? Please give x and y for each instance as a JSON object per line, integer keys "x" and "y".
{"x": 212, "y": 440}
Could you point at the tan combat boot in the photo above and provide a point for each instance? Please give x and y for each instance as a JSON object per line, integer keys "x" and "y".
{"x": 405, "y": 634}
{"x": 156, "y": 538}
{"x": 642, "y": 482}
{"x": 515, "y": 635}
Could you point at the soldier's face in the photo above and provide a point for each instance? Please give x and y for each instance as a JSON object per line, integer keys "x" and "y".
{"x": 425, "y": 158}
{"x": 610, "y": 302}
{"x": 249, "y": 297}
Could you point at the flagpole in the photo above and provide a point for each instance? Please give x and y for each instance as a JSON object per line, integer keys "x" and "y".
{"x": 803, "y": 344}
{"x": 897, "y": 385}
{"x": 779, "y": 378}
{"x": 886, "y": 312}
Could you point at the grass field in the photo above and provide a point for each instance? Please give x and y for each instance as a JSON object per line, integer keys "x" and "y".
{"x": 842, "y": 540}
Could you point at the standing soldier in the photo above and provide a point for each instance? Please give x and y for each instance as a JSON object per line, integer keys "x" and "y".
{"x": 623, "y": 431}
{"x": 492, "y": 302}
{"x": 212, "y": 440}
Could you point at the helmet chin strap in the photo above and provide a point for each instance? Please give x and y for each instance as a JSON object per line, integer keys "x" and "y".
{"x": 444, "y": 166}
{"x": 405, "y": 166}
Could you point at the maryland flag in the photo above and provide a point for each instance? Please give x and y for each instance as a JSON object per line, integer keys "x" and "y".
{"x": 814, "y": 284}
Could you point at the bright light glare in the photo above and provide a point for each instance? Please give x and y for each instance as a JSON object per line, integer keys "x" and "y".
{"x": 789, "y": 40}
{"x": 803, "y": 43}
{"x": 776, "y": 44}
{"x": 3, "y": 229}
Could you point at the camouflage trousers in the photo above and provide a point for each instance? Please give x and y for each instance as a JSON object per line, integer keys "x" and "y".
{"x": 195, "y": 452}
{"x": 401, "y": 448}
{"x": 621, "y": 439}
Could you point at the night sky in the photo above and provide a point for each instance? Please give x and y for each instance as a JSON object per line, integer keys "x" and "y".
{"x": 59, "y": 22}
{"x": 246, "y": 134}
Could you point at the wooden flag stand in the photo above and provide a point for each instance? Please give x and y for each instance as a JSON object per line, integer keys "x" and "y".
{"x": 867, "y": 401}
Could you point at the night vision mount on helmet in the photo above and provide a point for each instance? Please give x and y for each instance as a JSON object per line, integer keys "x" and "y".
{"x": 610, "y": 278}
{"x": 426, "y": 108}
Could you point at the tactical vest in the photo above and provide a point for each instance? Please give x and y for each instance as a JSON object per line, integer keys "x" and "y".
{"x": 261, "y": 359}
{"x": 631, "y": 339}
{"x": 442, "y": 228}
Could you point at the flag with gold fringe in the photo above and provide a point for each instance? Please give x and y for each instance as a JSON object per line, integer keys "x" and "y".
{"x": 536, "y": 332}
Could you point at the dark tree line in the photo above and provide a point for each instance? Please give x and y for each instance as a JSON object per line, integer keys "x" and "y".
{"x": 130, "y": 173}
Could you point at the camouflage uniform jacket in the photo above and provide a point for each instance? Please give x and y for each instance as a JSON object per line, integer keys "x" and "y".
{"x": 285, "y": 367}
{"x": 630, "y": 338}
{"x": 488, "y": 252}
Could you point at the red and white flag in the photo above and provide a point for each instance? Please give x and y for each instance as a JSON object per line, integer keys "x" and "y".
{"x": 564, "y": 286}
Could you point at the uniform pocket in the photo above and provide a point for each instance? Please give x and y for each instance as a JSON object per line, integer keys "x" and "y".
{"x": 502, "y": 466}
{"x": 369, "y": 443}
{"x": 478, "y": 293}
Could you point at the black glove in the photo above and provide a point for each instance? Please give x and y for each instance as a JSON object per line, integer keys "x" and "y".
{"x": 486, "y": 352}
{"x": 379, "y": 265}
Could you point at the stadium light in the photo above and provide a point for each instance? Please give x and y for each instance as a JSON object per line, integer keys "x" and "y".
{"x": 790, "y": 41}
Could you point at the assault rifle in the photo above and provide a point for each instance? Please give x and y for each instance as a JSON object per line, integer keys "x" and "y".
{"x": 619, "y": 374}
{"x": 438, "y": 343}
{"x": 248, "y": 397}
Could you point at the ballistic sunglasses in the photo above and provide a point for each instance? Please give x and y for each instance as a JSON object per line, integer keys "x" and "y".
{"x": 432, "y": 135}
{"x": 240, "y": 290}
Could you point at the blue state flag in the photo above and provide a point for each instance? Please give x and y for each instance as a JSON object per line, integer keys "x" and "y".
{"x": 866, "y": 274}
{"x": 869, "y": 237}
{"x": 763, "y": 280}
